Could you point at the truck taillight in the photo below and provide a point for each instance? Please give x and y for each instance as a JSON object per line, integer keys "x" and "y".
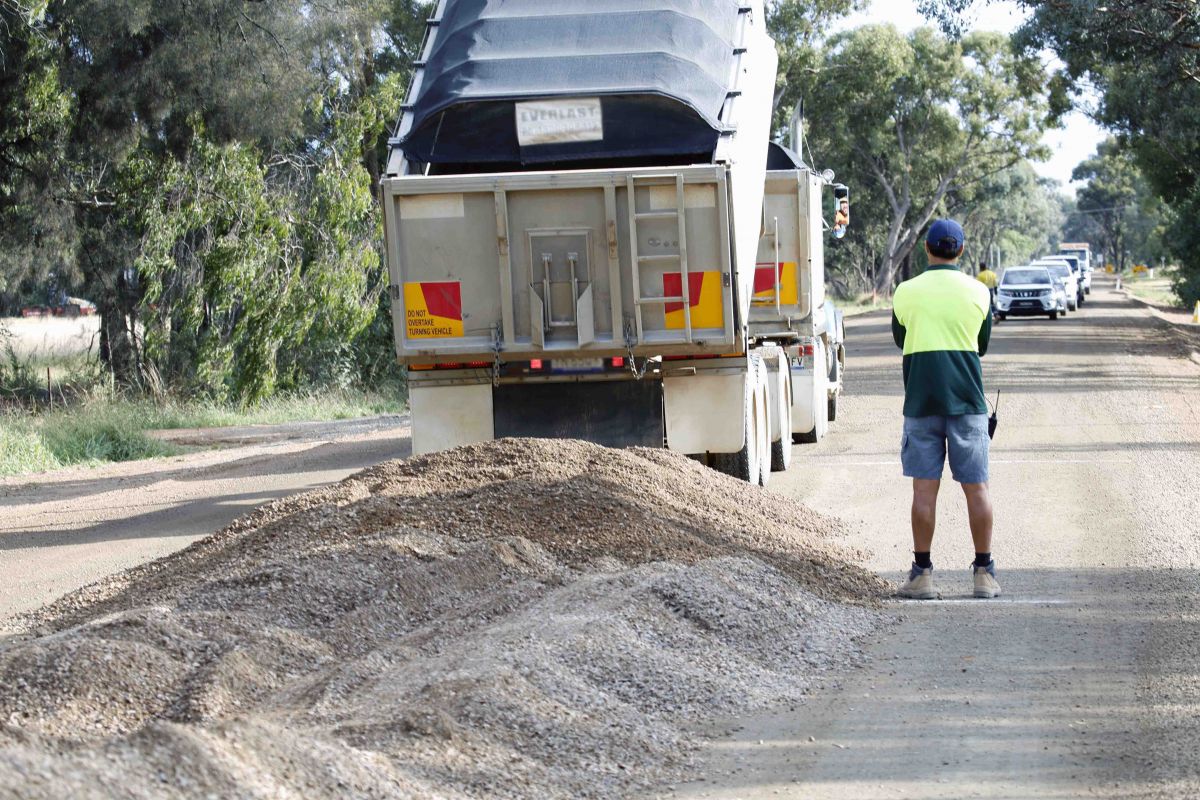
{"x": 535, "y": 363}
{"x": 806, "y": 350}
{"x": 618, "y": 362}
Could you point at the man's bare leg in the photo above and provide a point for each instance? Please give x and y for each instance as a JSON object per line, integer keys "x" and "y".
{"x": 924, "y": 513}
{"x": 924, "y": 516}
{"x": 979, "y": 510}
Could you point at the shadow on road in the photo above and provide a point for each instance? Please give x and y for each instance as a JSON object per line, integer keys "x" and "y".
{"x": 1035, "y": 694}
{"x": 325, "y": 457}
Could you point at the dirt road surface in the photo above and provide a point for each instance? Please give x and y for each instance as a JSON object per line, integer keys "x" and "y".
{"x": 1082, "y": 680}
{"x": 64, "y": 530}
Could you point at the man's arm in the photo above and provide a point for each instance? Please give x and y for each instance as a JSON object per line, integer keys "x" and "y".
{"x": 898, "y": 331}
{"x": 985, "y": 335}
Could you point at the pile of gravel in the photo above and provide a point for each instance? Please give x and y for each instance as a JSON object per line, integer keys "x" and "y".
{"x": 517, "y": 619}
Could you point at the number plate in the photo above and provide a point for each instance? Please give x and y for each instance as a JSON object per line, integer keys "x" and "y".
{"x": 575, "y": 365}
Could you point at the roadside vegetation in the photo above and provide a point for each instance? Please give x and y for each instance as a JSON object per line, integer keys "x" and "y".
{"x": 99, "y": 429}
{"x": 1159, "y": 289}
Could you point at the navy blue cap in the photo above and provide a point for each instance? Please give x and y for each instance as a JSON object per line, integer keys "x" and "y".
{"x": 946, "y": 235}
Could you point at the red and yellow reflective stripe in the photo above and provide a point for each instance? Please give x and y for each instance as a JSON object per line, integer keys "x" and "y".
{"x": 764, "y": 284}
{"x": 433, "y": 309}
{"x": 704, "y": 293}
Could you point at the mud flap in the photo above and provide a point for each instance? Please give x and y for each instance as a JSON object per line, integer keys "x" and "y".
{"x": 610, "y": 413}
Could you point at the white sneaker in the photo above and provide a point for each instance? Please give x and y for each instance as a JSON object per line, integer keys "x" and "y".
{"x": 919, "y": 585}
{"x": 986, "y": 585}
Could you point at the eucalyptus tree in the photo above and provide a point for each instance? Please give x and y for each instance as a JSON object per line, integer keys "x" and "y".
{"x": 1142, "y": 59}
{"x": 920, "y": 116}
{"x": 35, "y": 112}
{"x": 1014, "y": 212}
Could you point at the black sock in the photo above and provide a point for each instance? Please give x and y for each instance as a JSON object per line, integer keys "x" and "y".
{"x": 922, "y": 559}
{"x": 983, "y": 559}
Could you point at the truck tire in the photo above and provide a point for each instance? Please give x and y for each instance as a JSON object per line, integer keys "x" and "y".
{"x": 1053, "y": 315}
{"x": 781, "y": 450}
{"x": 820, "y": 399}
{"x": 763, "y": 425}
{"x": 833, "y": 404}
{"x": 745, "y": 464}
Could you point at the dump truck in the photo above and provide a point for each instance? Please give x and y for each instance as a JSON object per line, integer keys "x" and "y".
{"x": 589, "y": 234}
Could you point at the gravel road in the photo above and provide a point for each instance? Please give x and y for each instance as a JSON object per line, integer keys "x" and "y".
{"x": 1081, "y": 681}
{"x": 66, "y": 529}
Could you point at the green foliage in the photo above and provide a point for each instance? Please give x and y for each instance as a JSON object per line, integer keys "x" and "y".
{"x": 244, "y": 261}
{"x": 207, "y": 173}
{"x": 105, "y": 429}
{"x": 37, "y": 444}
{"x": 1142, "y": 59}
{"x": 1118, "y": 210}
{"x": 919, "y": 117}
{"x": 798, "y": 27}
{"x": 1013, "y": 210}
{"x": 35, "y": 110}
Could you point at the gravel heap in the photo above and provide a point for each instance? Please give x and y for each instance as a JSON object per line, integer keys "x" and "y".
{"x": 521, "y": 618}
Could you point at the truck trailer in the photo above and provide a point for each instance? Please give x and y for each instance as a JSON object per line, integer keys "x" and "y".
{"x": 590, "y": 235}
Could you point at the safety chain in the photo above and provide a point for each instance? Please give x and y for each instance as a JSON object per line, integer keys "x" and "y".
{"x": 496, "y": 357}
{"x": 638, "y": 374}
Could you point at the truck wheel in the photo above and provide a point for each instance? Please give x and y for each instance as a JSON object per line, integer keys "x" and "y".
{"x": 781, "y": 450}
{"x": 833, "y": 404}
{"x": 1002, "y": 316}
{"x": 745, "y": 464}
{"x": 1053, "y": 315}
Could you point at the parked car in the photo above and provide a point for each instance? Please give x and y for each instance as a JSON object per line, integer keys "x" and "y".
{"x": 1027, "y": 291}
{"x": 1081, "y": 278}
{"x": 1070, "y": 283}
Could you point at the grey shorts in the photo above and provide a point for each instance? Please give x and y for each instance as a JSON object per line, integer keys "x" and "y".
{"x": 927, "y": 441}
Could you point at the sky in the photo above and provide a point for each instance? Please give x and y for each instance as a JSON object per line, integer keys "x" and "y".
{"x": 1071, "y": 144}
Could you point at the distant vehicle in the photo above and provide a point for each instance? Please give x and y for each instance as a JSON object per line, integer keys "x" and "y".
{"x": 1027, "y": 292}
{"x": 1081, "y": 276}
{"x": 1083, "y": 252}
{"x": 70, "y": 307}
{"x": 1061, "y": 270}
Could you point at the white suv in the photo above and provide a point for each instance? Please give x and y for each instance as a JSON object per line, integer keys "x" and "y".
{"x": 1027, "y": 291}
{"x": 1070, "y": 283}
{"x": 1082, "y": 279}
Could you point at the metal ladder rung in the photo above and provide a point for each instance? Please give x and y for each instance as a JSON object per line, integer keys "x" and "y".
{"x": 679, "y": 216}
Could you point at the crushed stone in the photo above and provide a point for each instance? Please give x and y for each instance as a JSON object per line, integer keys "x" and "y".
{"x": 521, "y": 618}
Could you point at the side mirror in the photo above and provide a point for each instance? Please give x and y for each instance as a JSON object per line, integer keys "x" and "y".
{"x": 841, "y": 210}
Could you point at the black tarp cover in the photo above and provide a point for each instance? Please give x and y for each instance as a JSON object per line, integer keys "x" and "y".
{"x": 659, "y": 69}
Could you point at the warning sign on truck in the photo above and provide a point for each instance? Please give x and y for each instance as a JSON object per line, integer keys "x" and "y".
{"x": 433, "y": 310}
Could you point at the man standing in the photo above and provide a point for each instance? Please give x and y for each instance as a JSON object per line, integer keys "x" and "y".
{"x": 942, "y": 321}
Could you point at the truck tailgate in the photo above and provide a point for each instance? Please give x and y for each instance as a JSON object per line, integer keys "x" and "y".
{"x": 534, "y": 264}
